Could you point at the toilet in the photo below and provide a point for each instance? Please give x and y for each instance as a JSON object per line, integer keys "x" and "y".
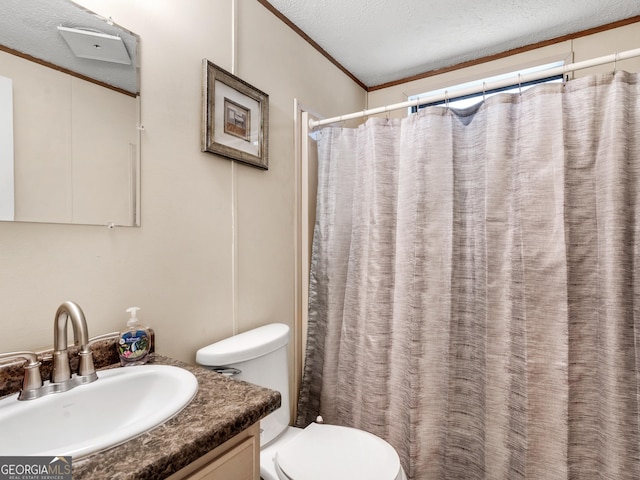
{"x": 317, "y": 452}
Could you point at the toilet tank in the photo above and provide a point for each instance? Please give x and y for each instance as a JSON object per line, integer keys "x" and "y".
{"x": 260, "y": 355}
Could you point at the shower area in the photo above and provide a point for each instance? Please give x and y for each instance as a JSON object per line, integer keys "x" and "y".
{"x": 473, "y": 294}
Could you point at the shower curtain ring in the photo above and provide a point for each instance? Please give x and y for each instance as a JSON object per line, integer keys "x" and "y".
{"x": 484, "y": 92}
{"x": 520, "y": 83}
{"x": 615, "y": 62}
{"x": 446, "y": 98}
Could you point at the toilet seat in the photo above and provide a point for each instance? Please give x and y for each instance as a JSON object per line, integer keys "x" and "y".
{"x": 321, "y": 452}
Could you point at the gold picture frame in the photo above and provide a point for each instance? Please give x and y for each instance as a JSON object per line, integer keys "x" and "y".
{"x": 235, "y": 121}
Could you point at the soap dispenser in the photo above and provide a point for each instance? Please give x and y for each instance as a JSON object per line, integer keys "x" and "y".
{"x": 134, "y": 343}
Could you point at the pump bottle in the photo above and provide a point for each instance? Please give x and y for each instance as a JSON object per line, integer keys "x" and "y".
{"x": 134, "y": 343}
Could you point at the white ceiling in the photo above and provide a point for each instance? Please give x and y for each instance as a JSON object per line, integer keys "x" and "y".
{"x": 381, "y": 41}
{"x": 30, "y": 27}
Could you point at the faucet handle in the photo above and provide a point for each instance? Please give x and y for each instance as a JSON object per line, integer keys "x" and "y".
{"x": 32, "y": 378}
{"x": 86, "y": 367}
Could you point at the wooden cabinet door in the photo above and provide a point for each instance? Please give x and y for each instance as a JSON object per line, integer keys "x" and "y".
{"x": 236, "y": 464}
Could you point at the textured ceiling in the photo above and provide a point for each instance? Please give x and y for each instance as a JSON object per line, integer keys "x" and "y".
{"x": 377, "y": 41}
{"x": 381, "y": 41}
{"x": 30, "y": 27}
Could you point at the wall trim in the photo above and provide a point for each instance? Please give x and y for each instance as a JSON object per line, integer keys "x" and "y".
{"x": 431, "y": 73}
{"x": 53, "y": 66}
{"x": 310, "y": 41}
{"x": 509, "y": 53}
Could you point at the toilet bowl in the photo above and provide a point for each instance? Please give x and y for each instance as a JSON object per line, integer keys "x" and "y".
{"x": 317, "y": 452}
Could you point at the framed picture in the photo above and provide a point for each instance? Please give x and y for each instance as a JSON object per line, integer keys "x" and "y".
{"x": 235, "y": 120}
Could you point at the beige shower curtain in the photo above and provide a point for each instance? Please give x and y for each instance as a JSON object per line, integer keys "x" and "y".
{"x": 474, "y": 292}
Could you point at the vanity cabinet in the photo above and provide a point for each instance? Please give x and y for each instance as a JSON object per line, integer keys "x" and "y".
{"x": 236, "y": 459}
{"x": 216, "y": 436}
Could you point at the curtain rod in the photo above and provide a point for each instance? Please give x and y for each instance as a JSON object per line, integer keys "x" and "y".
{"x": 520, "y": 78}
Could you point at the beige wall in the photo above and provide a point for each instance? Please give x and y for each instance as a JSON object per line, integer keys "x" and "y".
{"x": 215, "y": 252}
{"x": 584, "y": 48}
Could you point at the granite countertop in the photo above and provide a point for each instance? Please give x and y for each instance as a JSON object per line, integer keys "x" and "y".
{"x": 221, "y": 409}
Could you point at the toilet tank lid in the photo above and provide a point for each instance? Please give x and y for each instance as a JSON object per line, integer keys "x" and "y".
{"x": 244, "y": 346}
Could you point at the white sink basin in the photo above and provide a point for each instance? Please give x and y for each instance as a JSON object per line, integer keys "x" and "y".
{"x": 123, "y": 403}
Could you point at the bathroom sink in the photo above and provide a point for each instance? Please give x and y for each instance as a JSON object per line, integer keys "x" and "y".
{"x": 123, "y": 403}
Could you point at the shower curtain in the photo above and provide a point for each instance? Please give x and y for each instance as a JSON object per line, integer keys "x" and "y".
{"x": 474, "y": 291}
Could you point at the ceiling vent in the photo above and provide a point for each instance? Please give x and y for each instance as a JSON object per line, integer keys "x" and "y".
{"x": 95, "y": 45}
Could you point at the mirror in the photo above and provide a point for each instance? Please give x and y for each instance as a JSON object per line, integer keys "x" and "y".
{"x": 69, "y": 116}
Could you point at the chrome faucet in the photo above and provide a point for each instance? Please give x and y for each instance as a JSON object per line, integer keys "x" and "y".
{"x": 61, "y": 372}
